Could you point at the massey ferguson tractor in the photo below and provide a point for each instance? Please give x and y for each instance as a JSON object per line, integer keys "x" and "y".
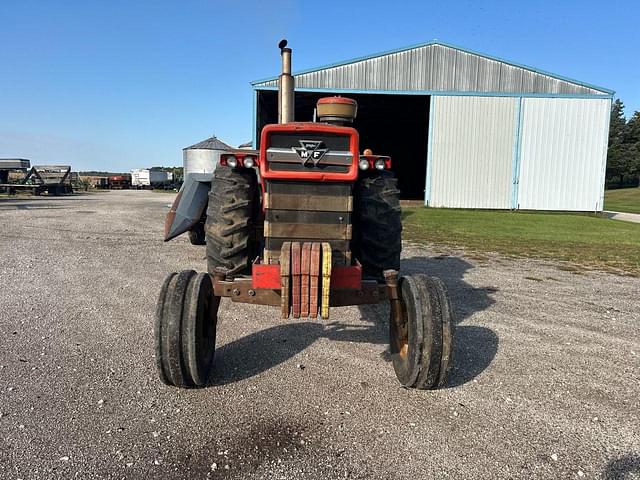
{"x": 306, "y": 223}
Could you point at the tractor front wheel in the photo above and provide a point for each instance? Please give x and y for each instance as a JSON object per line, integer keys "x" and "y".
{"x": 185, "y": 329}
{"x": 421, "y": 339}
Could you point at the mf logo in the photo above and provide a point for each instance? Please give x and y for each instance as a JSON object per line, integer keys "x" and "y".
{"x": 309, "y": 150}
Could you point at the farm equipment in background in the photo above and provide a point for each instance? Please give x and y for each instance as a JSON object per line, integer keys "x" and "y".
{"x": 320, "y": 227}
{"x": 101, "y": 183}
{"x": 52, "y": 179}
{"x": 148, "y": 178}
{"x": 119, "y": 182}
{"x": 11, "y": 167}
{"x": 113, "y": 182}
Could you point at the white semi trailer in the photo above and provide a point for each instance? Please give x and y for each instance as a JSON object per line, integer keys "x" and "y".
{"x": 147, "y": 178}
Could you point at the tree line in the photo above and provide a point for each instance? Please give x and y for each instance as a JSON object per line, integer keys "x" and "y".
{"x": 623, "y": 158}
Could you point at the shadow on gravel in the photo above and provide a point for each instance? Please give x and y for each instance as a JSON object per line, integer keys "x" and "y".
{"x": 38, "y": 203}
{"x": 34, "y": 206}
{"x": 623, "y": 468}
{"x": 260, "y": 351}
{"x": 474, "y": 346}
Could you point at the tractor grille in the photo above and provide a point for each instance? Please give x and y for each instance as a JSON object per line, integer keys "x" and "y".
{"x": 293, "y": 152}
{"x": 331, "y": 141}
{"x": 308, "y": 212}
{"x": 310, "y": 167}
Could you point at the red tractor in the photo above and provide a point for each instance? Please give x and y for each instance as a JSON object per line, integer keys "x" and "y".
{"x": 304, "y": 224}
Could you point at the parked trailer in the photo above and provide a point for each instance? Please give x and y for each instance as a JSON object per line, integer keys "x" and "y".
{"x": 102, "y": 183}
{"x": 147, "y": 178}
{"x": 119, "y": 182}
{"x": 9, "y": 166}
{"x": 53, "y": 179}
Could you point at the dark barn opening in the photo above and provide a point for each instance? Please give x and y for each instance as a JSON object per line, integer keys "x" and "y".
{"x": 395, "y": 125}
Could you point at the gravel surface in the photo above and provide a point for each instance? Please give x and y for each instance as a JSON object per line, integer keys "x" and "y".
{"x": 546, "y": 382}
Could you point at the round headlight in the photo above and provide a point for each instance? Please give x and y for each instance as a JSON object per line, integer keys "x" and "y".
{"x": 363, "y": 164}
{"x": 379, "y": 164}
{"x": 248, "y": 162}
{"x": 232, "y": 161}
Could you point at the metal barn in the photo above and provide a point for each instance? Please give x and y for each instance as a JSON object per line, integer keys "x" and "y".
{"x": 467, "y": 130}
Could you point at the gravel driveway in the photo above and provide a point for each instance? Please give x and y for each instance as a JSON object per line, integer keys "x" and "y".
{"x": 546, "y": 382}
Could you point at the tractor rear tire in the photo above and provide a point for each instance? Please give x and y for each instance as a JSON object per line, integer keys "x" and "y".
{"x": 378, "y": 223}
{"x": 230, "y": 223}
{"x": 421, "y": 341}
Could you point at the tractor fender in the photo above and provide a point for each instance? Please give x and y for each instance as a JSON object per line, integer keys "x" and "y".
{"x": 189, "y": 206}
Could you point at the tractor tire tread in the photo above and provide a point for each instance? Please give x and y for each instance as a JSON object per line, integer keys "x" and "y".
{"x": 230, "y": 223}
{"x": 378, "y": 223}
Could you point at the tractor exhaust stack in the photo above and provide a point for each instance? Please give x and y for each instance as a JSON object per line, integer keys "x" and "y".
{"x": 286, "y": 86}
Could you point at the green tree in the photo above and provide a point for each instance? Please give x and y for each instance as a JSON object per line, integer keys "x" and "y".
{"x": 631, "y": 143}
{"x": 623, "y": 156}
{"x": 616, "y": 155}
{"x": 617, "y": 123}
{"x": 631, "y": 134}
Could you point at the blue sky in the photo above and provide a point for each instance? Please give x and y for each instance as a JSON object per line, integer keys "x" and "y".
{"x": 115, "y": 85}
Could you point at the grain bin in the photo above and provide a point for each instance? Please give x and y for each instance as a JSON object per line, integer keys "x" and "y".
{"x": 203, "y": 156}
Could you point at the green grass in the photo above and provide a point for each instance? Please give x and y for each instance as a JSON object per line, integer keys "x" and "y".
{"x": 623, "y": 200}
{"x": 583, "y": 239}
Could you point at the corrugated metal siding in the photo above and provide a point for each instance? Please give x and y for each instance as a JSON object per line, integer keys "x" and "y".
{"x": 563, "y": 147}
{"x": 472, "y": 151}
{"x": 435, "y": 67}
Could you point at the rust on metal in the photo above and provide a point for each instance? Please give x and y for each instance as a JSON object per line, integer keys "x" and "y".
{"x": 391, "y": 280}
{"x": 326, "y": 280}
{"x": 307, "y": 230}
{"x": 320, "y": 203}
{"x": 371, "y": 292}
{"x": 398, "y": 321}
{"x": 308, "y": 212}
{"x": 240, "y": 290}
{"x": 311, "y": 261}
{"x": 285, "y": 271}
{"x": 304, "y": 279}
{"x": 171, "y": 216}
{"x": 314, "y": 280}
{"x": 219, "y": 274}
{"x": 295, "y": 279}
{"x": 339, "y": 258}
{"x": 307, "y": 217}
